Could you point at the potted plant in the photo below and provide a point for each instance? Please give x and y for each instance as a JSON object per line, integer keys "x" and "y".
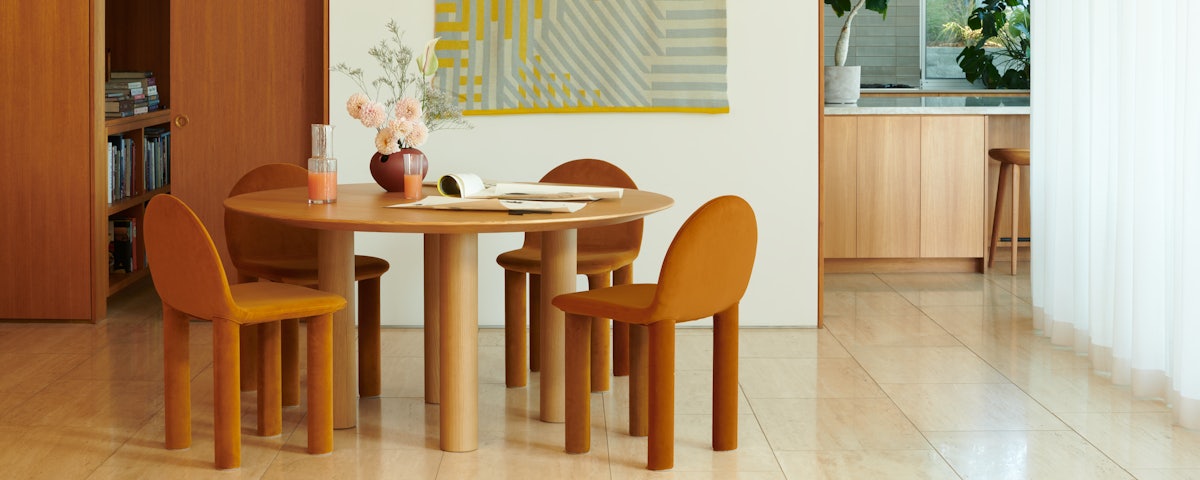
{"x": 1004, "y": 23}
{"x": 841, "y": 81}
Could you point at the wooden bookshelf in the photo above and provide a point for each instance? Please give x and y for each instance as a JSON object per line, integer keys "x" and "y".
{"x": 114, "y": 126}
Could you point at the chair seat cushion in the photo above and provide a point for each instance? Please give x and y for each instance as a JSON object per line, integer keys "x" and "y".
{"x": 303, "y": 271}
{"x": 588, "y": 261}
{"x": 259, "y": 302}
{"x": 622, "y": 303}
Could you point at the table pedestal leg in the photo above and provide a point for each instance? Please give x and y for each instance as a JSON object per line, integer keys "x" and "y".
{"x": 432, "y": 319}
{"x": 458, "y": 287}
{"x": 335, "y": 267}
{"x": 558, "y": 277}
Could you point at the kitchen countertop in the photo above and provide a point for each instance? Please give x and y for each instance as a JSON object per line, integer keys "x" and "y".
{"x": 933, "y": 105}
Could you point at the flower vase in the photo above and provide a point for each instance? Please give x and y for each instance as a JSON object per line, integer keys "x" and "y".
{"x": 388, "y": 170}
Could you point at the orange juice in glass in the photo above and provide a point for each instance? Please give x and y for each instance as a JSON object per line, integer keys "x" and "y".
{"x": 322, "y": 167}
{"x": 412, "y": 174}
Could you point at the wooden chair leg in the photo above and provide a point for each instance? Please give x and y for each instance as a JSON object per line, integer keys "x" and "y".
{"x": 639, "y": 376}
{"x": 1001, "y": 182}
{"x": 620, "y": 331}
{"x": 227, "y": 418}
{"x": 600, "y": 338}
{"x": 270, "y": 399}
{"x": 249, "y": 362}
{"x": 514, "y": 329}
{"x": 578, "y": 397}
{"x": 535, "y": 322}
{"x": 370, "y": 372}
{"x": 1015, "y": 217}
{"x": 725, "y": 379}
{"x": 289, "y": 348}
{"x": 177, "y": 379}
{"x": 320, "y": 384}
{"x": 661, "y": 454}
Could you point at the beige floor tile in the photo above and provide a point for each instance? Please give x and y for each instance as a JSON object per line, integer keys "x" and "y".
{"x": 805, "y": 378}
{"x": 1166, "y": 473}
{"x": 122, "y": 406}
{"x": 1139, "y": 440}
{"x": 836, "y": 424}
{"x": 402, "y": 342}
{"x": 977, "y": 325}
{"x": 874, "y": 304}
{"x": 789, "y": 343}
{"x": 693, "y": 396}
{"x": 402, "y": 376}
{"x": 916, "y": 330}
{"x": 925, "y": 365}
{"x": 1024, "y": 454}
{"x": 406, "y": 463}
{"x": 970, "y": 407}
{"x": 37, "y": 370}
{"x": 890, "y": 464}
{"x": 955, "y": 289}
{"x": 1080, "y": 391}
{"x": 53, "y": 452}
{"x": 855, "y": 282}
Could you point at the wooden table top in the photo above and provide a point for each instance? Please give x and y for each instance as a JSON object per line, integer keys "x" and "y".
{"x": 361, "y": 207}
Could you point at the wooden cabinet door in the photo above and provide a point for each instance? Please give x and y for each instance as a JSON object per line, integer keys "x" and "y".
{"x": 48, "y": 215}
{"x": 248, "y": 78}
{"x": 953, "y": 176}
{"x": 889, "y": 186}
{"x": 840, "y": 202}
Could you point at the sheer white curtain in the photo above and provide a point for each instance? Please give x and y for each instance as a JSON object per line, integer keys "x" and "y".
{"x": 1116, "y": 190}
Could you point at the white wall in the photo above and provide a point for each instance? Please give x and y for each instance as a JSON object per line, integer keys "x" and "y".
{"x": 764, "y": 150}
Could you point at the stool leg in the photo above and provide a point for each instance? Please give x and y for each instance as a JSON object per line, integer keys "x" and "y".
{"x": 289, "y": 360}
{"x": 177, "y": 379}
{"x": 432, "y": 318}
{"x": 320, "y": 384}
{"x": 1001, "y": 181}
{"x": 661, "y": 450}
{"x": 535, "y": 322}
{"x": 514, "y": 329}
{"x": 249, "y": 361}
{"x": 578, "y": 396}
{"x": 725, "y": 379}
{"x": 270, "y": 399}
{"x": 1016, "y": 215}
{"x": 227, "y": 418}
{"x": 620, "y": 330}
{"x": 370, "y": 372}
{"x": 600, "y": 338}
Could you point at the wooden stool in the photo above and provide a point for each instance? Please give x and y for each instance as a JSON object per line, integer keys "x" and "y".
{"x": 1008, "y": 157}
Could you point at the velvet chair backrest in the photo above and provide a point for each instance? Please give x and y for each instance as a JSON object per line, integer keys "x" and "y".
{"x": 256, "y": 237}
{"x": 707, "y": 267}
{"x": 588, "y": 171}
{"x": 184, "y": 263}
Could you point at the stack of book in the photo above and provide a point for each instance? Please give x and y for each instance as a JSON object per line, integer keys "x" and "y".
{"x": 130, "y": 93}
{"x": 120, "y": 168}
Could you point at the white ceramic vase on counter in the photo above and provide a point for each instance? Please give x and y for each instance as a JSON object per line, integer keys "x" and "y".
{"x": 842, "y": 84}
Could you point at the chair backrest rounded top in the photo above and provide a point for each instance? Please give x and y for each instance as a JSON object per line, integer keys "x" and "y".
{"x": 248, "y": 236}
{"x": 707, "y": 267}
{"x": 185, "y": 265}
{"x": 590, "y": 171}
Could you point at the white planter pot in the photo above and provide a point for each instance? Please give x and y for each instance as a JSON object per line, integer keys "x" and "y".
{"x": 841, "y": 84}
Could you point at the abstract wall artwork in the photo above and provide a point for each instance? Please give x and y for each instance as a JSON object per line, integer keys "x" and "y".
{"x": 560, "y": 56}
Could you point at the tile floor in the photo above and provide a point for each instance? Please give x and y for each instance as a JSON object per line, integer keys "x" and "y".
{"x": 916, "y": 376}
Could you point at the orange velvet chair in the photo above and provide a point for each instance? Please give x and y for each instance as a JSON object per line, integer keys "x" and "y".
{"x": 601, "y": 252}
{"x": 704, "y": 273}
{"x": 191, "y": 281}
{"x": 269, "y": 250}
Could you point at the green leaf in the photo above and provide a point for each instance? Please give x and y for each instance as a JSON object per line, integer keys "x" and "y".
{"x": 840, "y": 7}
{"x": 878, "y": 6}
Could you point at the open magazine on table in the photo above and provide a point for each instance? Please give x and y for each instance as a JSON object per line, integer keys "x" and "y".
{"x": 466, "y": 191}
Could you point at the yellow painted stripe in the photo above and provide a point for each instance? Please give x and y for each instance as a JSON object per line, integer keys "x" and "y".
{"x": 466, "y": 20}
{"x": 453, "y": 44}
{"x": 537, "y": 9}
{"x": 508, "y": 21}
{"x": 446, "y": 62}
{"x": 495, "y": 11}
{"x": 479, "y": 21}
{"x": 479, "y": 79}
{"x": 445, "y": 7}
{"x": 523, "y": 40}
{"x": 450, "y": 27}
{"x": 478, "y": 98}
{"x": 462, "y": 80}
{"x": 598, "y": 109}
{"x": 464, "y": 62}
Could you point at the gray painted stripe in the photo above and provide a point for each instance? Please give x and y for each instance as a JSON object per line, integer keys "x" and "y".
{"x": 694, "y": 86}
{"x": 696, "y": 33}
{"x": 694, "y": 14}
{"x": 692, "y": 103}
{"x": 696, "y": 51}
{"x": 687, "y": 69}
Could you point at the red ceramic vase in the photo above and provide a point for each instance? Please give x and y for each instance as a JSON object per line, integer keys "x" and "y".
{"x": 388, "y": 170}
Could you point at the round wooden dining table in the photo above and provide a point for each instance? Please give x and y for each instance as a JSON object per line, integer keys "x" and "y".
{"x": 451, "y": 284}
